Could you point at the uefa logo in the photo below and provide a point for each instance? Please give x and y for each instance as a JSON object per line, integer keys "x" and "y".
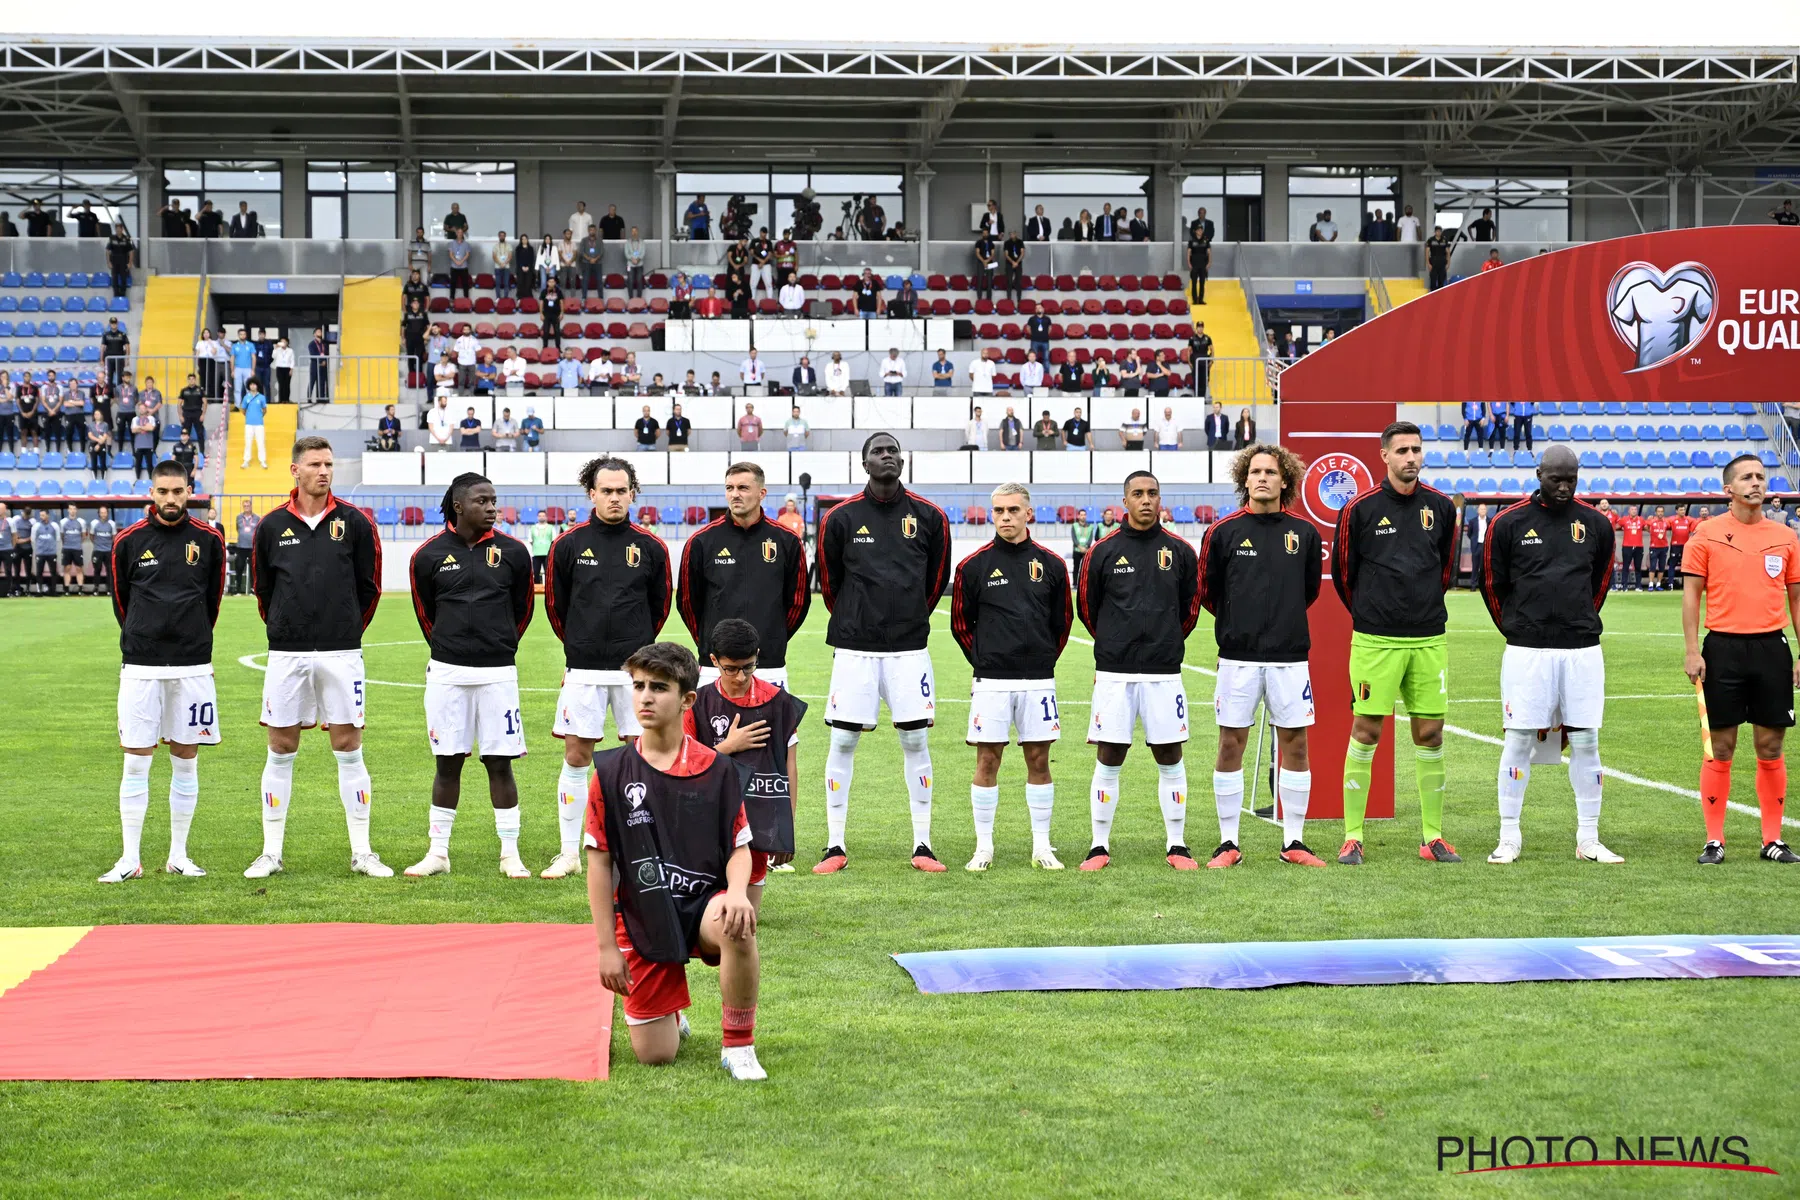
{"x": 1331, "y": 482}
{"x": 636, "y": 792}
{"x": 1659, "y": 314}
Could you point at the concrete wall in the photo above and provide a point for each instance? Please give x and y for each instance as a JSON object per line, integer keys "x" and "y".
{"x": 561, "y": 182}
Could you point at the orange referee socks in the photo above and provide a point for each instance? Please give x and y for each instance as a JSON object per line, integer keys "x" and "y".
{"x": 1771, "y": 795}
{"x": 1715, "y": 789}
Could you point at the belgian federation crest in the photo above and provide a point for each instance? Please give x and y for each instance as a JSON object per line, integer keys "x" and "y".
{"x": 1577, "y": 532}
{"x": 1165, "y": 559}
{"x": 909, "y": 527}
{"x": 1035, "y": 571}
{"x": 494, "y": 556}
{"x": 769, "y": 550}
{"x": 1290, "y": 541}
{"x": 193, "y": 554}
{"x": 1427, "y": 519}
{"x": 336, "y": 529}
{"x": 633, "y": 555}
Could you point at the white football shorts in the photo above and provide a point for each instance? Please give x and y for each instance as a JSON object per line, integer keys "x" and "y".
{"x": 182, "y": 709}
{"x": 1542, "y": 689}
{"x": 586, "y": 695}
{"x": 313, "y": 689}
{"x": 997, "y": 707}
{"x": 474, "y": 710}
{"x": 1286, "y": 688}
{"x": 860, "y": 682}
{"x": 1122, "y": 701}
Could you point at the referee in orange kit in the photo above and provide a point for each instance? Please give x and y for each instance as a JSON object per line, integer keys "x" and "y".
{"x": 1748, "y": 569}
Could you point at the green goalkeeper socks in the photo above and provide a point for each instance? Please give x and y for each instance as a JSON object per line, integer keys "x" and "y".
{"x": 1359, "y": 766}
{"x": 1428, "y": 761}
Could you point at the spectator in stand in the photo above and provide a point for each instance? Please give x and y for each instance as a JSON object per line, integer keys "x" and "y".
{"x": 265, "y": 359}
{"x": 414, "y": 327}
{"x": 698, "y": 219}
{"x": 943, "y": 371}
{"x": 71, "y": 532}
{"x": 1046, "y": 432}
{"x": 1070, "y": 377}
{"x": 581, "y": 222}
{"x": 415, "y": 291}
{"x": 1407, "y": 227}
{"x": 1038, "y": 227}
{"x": 9, "y": 430}
{"x": 762, "y": 263}
{"x": 646, "y": 429}
{"x": 1218, "y": 428}
{"x": 1012, "y": 252}
{"x": 992, "y": 223}
{"x": 1037, "y": 334}
{"x": 1012, "y": 431}
{"x": 1200, "y": 357}
{"x": 612, "y": 225}
{"x": 1139, "y": 228}
{"x": 1066, "y": 233}
{"x": 506, "y": 431}
{"x": 387, "y": 430}
{"x": 1075, "y": 431}
{"x": 634, "y": 264}
{"x": 121, "y": 256}
{"x": 1131, "y": 375}
{"x": 543, "y": 536}
{"x": 681, "y": 293}
{"x": 193, "y": 405}
{"x": 1474, "y": 414}
{"x": 837, "y": 375}
{"x": 790, "y": 517}
{"x": 1524, "y": 412}
{"x": 749, "y": 427}
{"x": 709, "y": 307}
{"x": 1785, "y": 215}
{"x": 805, "y": 379}
{"x": 752, "y": 371}
{"x": 455, "y": 222}
{"x": 283, "y": 362}
{"x": 440, "y": 422}
{"x": 1031, "y": 375}
{"x": 691, "y": 386}
{"x": 532, "y": 428}
{"x": 787, "y": 258}
{"x": 115, "y": 348}
{"x": 550, "y": 312}
{"x": 796, "y": 431}
{"x": 627, "y": 378}
{"x": 253, "y": 404}
{"x": 143, "y": 442}
{"x": 1658, "y": 528}
{"x": 1084, "y": 227}
{"x": 1131, "y": 431}
{"x": 905, "y": 302}
{"x": 186, "y": 452}
{"x": 487, "y": 374}
{"x": 1328, "y": 230}
{"x": 445, "y": 373}
{"x": 985, "y": 261}
{"x": 1106, "y": 225}
{"x": 975, "y": 432}
{"x": 1498, "y": 412}
{"x": 679, "y": 427}
{"x": 737, "y": 293}
{"x": 793, "y": 298}
{"x": 50, "y": 400}
{"x": 981, "y": 375}
{"x": 418, "y": 251}
{"x": 525, "y": 267}
{"x": 1482, "y": 228}
{"x": 566, "y": 254}
{"x": 1492, "y": 262}
{"x": 469, "y": 430}
{"x": 501, "y": 259}
{"x": 590, "y": 259}
{"x": 99, "y": 445}
{"x": 599, "y": 372}
{"x": 467, "y": 351}
{"x": 893, "y": 372}
{"x": 244, "y": 223}
{"x": 87, "y": 221}
{"x": 1437, "y": 258}
{"x": 870, "y": 303}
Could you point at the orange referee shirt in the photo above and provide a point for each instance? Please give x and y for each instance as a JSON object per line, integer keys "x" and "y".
{"x": 1747, "y": 569}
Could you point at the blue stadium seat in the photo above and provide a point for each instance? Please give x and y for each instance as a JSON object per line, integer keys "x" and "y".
{"x": 25, "y": 329}
{"x": 892, "y": 283}
{"x": 53, "y": 304}
{"x": 45, "y": 354}
{"x": 1756, "y": 433}
{"x": 68, "y": 354}
{"x": 90, "y": 354}
{"x": 121, "y": 461}
{"x": 1557, "y": 433}
{"x": 28, "y": 460}
{"x": 6, "y": 329}
{"x": 1690, "y": 484}
{"x": 581, "y": 512}
{"x": 1647, "y": 433}
{"x": 1690, "y": 433}
{"x": 171, "y": 433}
{"x": 100, "y": 279}
{"x": 1428, "y": 432}
{"x": 1634, "y": 408}
{"x": 34, "y": 279}
{"x": 78, "y": 279}
{"x": 1643, "y": 485}
{"x": 1659, "y": 408}
{"x": 1503, "y": 457}
{"x": 1722, "y": 408}
{"x": 11, "y": 279}
{"x": 30, "y": 304}
{"x": 75, "y": 304}
{"x": 1435, "y": 461}
{"x": 1510, "y": 486}
{"x": 669, "y": 514}
{"x": 1182, "y": 513}
{"x": 387, "y": 514}
{"x": 1679, "y": 460}
{"x": 1487, "y": 487}
{"x": 51, "y": 487}
{"x": 1045, "y": 514}
{"x": 71, "y": 329}
{"x": 8, "y": 461}
{"x": 1656, "y": 460}
{"x": 1768, "y": 459}
{"x": 140, "y": 488}
{"x": 1524, "y": 458}
{"x": 1734, "y": 433}
{"x": 27, "y": 489}
{"x": 1615, "y": 408}
{"x": 1711, "y": 433}
{"x": 1596, "y": 483}
{"x": 1603, "y": 433}
{"x": 1590, "y": 460}
{"x": 1612, "y": 460}
{"x": 1580, "y": 433}
{"x": 9, "y": 304}
{"x": 119, "y": 304}
{"x": 1780, "y": 484}
{"x": 1464, "y": 484}
{"x": 1480, "y": 459}
{"x": 1744, "y": 408}
{"x": 1666, "y": 486}
{"x": 1457, "y": 460}
{"x": 99, "y": 487}
{"x": 701, "y": 282}
{"x": 92, "y": 329}
{"x": 954, "y": 514}
{"x": 56, "y": 279}
{"x": 1592, "y": 408}
{"x": 1446, "y": 433}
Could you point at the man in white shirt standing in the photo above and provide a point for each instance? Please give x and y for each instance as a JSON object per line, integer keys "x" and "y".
{"x": 837, "y": 375}
{"x": 975, "y": 432}
{"x": 1168, "y": 431}
{"x": 793, "y": 297}
{"x": 445, "y": 374}
{"x": 512, "y": 371}
{"x": 600, "y": 372}
{"x": 981, "y": 375}
{"x": 1031, "y": 375}
{"x": 1408, "y": 226}
{"x": 751, "y": 370}
{"x": 441, "y": 424}
{"x": 893, "y": 372}
{"x": 467, "y": 348}
{"x": 581, "y": 221}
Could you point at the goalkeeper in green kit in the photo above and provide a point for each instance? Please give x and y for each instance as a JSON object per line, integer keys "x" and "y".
{"x": 1392, "y": 561}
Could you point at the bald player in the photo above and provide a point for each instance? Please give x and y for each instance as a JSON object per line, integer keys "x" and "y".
{"x": 1547, "y": 566}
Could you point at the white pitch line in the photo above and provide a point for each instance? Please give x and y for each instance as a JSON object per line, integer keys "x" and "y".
{"x": 249, "y": 660}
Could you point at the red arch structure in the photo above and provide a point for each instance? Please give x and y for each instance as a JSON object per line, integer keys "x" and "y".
{"x": 1686, "y": 315}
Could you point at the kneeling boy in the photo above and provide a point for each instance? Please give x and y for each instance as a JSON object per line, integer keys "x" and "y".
{"x": 671, "y": 812}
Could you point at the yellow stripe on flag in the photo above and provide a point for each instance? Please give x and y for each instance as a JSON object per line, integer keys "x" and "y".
{"x": 23, "y": 951}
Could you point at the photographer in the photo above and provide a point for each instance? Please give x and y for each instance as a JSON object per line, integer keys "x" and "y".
{"x": 871, "y": 221}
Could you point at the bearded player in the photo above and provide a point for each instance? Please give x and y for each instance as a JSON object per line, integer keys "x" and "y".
{"x": 1547, "y": 569}
{"x": 745, "y": 566}
{"x": 1260, "y": 570}
{"x": 1009, "y": 611}
{"x": 1139, "y": 596}
{"x": 315, "y": 566}
{"x": 884, "y": 559}
{"x": 473, "y": 594}
{"x": 168, "y": 579}
{"x": 606, "y": 591}
{"x": 670, "y": 813}
{"x": 1392, "y": 560}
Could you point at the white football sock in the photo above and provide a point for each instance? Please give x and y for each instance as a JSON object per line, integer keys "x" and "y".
{"x": 571, "y": 806}
{"x": 442, "y": 821}
{"x": 1103, "y": 802}
{"x": 1171, "y": 790}
{"x": 915, "y": 758}
{"x": 1296, "y": 795}
{"x": 277, "y": 795}
{"x": 840, "y": 767}
{"x": 1228, "y": 800}
{"x": 184, "y": 797}
{"x": 1040, "y": 801}
{"x": 355, "y": 795}
{"x": 506, "y": 824}
{"x": 985, "y": 800}
{"x": 134, "y": 802}
{"x": 1585, "y": 776}
{"x": 1514, "y": 774}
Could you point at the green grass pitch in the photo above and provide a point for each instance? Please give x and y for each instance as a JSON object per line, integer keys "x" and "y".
{"x": 1302, "y": 1091}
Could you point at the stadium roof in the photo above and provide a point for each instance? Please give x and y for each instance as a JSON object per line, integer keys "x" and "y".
{"x": 708, "y": 103}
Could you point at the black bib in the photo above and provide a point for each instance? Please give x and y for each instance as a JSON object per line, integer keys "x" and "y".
{"x": 768, "y": 800}
{"x": 670, "y": 837}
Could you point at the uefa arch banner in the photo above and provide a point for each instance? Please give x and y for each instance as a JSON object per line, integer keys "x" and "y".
{"x": 1682, "y": 316}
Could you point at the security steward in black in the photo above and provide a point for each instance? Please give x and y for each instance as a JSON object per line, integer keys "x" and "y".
{"x": 316, "y": 585}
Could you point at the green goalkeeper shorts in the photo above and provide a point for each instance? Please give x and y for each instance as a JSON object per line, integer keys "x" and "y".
{"x": 1413, "y": 671}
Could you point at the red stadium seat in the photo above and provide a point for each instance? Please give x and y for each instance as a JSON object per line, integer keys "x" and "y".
{"x": 1028, "y": 308}
{"x": 975, "y": 514}
{"x": 767, "y": 307}
{"x": 1065, "y": 283}
{"x": 694, "y": 514}
{"x": 1056, "y": 331}
{"x": 462, "y": 304}
{"x": 528, "y": 305}
{"x": 1128, "y": 283}
{"x": 505, "y": 353}
{"x": 1016, "y": 356}
{"x": 830, "y": 283}
{"x": 412, "y": 515}
{"x": 1118, "y": 331}
{"x": 1004, "y": 308}
{"x": 509, "y": 514}
{"x": 940, "y": 307}
{"x": 984, "y": 308}
{"x": 1157, "y": 307}
{"x": 571, "y": 329}
{"x": 619, "y": 354}
{"x": 959, "y": 283}
{"x": 595, "y": 352}
{"x": 1114, "y": 307}
{"x": 638, "y": 330}
{"x": 636, "y": 304}
{"x": 937, "y": 283}
{"x": 646, "y": 515}
{"x": 506, "y": 306}
{"x": 1083, "y": 355}
{"x": 506, "y": 331}
{"x": 988, "y": 331}
{"x": 1103, "y": 354}
{"x": 594, "y": 329}
{"x": 1162, "y": 331}
{"x": 1051, "y": 307}
{"x": 1074, "y": 330}
{"x": 529, "y": 330}
{"x": 593, "y": 304}
{"x": 484, "y": 331}
{"x": 1109, "y": 283}
{"x": 458, "y": 329}
{"x": 1091, "y": 308}
{"x": 484, "y": 305}
{"x": 615, "y": 304}
{"x": 1171, "y": 282}
{"x": 810, "y": 282}
{"x": 1140, "y": 331}
{"x": 1043, "y": 283}
{"x": 534, "y": 380}
{"x": 1011, "y": 331}
{"x": 659, "y": 280}
{"x": 484, "y": 280}
{"x": 439, "y": 304}
{"x": 1058, "y": 356}
{"x": 1135, "y": 308}
{"x": 839, "y": 308}
{"x": 615, "y": 281}
{"x": 962, "y": 307}
{"x": 659, "y": 304}
{"x": 617, "y": 330}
